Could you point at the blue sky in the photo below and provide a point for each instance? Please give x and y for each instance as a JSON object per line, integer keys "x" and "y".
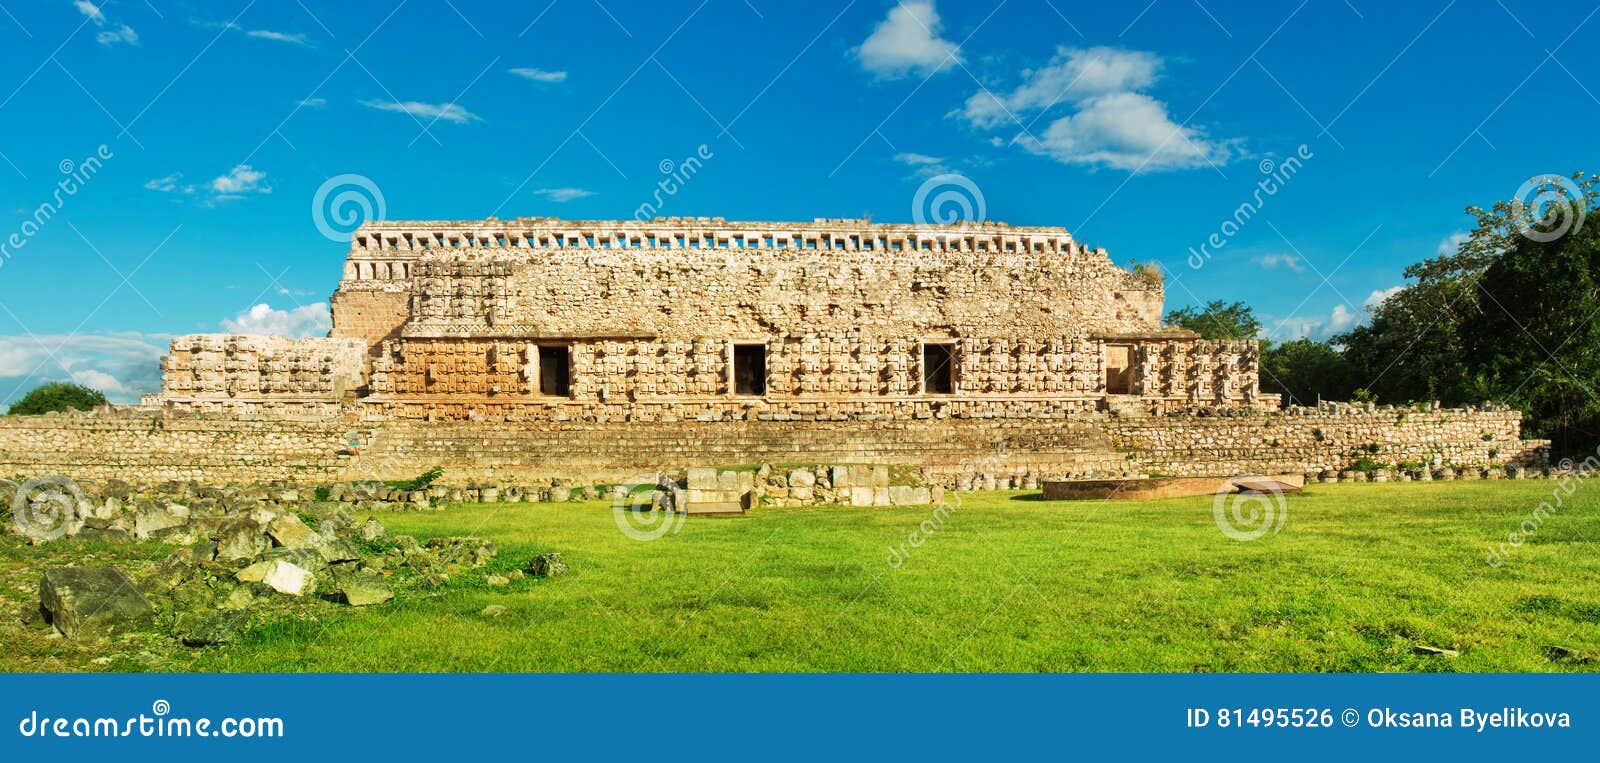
{"x": 1141, "y": 127}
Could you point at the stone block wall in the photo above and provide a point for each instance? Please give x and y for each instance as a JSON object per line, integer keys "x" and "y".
{"x": 688, "y": 277}
{"x": 260, "y": 369}
{"x": 1333, "y": 436}
{"x": 370, "y": 312}
{"x": 139, "y": 446}
{"x": 146, "y": 448}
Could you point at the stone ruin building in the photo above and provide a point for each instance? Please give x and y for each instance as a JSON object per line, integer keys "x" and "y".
{"x": 545, "y": 318}
{"x": 541, "y": 349}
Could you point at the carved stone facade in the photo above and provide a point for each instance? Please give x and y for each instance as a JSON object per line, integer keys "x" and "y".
{"x": 223, "y": 370}
{"x": 533, "y": 317}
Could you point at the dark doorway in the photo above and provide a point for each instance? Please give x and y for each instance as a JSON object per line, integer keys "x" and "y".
{"x": 750, "y": 369}
{"x": 555, "y": 378}
{"x": 939, "y": 369}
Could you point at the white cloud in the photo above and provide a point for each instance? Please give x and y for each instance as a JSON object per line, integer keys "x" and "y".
{"x": 170, "y": 184}
{"x": 91, "y": 11}
{"x": 561, "y": 195}
{"x": 304, "y": 321}
{"x": 1380, "y": 296}
{"x": 540, "y": 75}
{"x": 922, "y": 165}
{"x": 1072, "y": 76}
{"x": 313, "y": 103}
{"x": 123, "y": 33}
{"x": 1452, "y": 242}
{"x": 1127, "y": 131}
{"x": 268, "y": 34}
{"x": 448, "y": 112}
{"x": 1340, "y": 320}
{"x": 121, "y": 365}
{"x": 242, "y": 179}
{"x": 1112, "y": 124}
{"x": 1282, "y": 259}
{"x": 291, "y": 38}
{"x": 907, "y": 42}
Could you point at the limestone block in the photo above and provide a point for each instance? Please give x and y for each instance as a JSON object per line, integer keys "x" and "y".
{"x": 700, "y": 478}
{"x": 95, "y": 601}
{"x": 280, "y": 575}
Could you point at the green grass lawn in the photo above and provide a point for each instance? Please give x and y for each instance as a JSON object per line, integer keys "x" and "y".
{"x": 1358, "y": 577}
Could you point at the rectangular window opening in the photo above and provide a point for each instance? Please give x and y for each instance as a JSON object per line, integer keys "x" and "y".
{"x": 555, "y": 374}
{"x": 750, "y": 369}
{"x": 939, "y": 369}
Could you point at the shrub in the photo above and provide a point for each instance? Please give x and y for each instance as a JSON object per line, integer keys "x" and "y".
{"x": 1364, "y": 464}
{"x": 58, "y": 396}
{"x": 418, "y": 482}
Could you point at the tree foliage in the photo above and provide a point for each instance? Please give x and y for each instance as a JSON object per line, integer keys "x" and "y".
{"x": 1218, "y": 320}
{"x": 1305, "y": 371}
{"x": 57, "y": 396}
{"x": 1510, "y": 316}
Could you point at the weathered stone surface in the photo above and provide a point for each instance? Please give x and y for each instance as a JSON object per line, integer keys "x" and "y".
{"x": 473, "y": 552}
{"x": 239, "y": 540}
{"x": 548, "y": 565}
{"x": 209, "y": 628}
{"x": 360, "y": 590}
{"x": 280, "y": 575}
{"x": 288, "y": 531}
{"x": 151, "y": 518}
{"x": 93, "y": 601}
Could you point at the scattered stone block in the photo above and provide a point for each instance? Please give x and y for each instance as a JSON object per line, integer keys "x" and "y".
{"x": 548, "y": 565}
{"x": 93, "y": 601}
{"x": 361, "y": 590}
{"x": 280, "y": 575}
{"x": 287, "y": 531}
{"x": 239, "y": 540}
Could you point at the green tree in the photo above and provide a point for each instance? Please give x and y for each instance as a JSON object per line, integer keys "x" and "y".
{"x": 1535, "y": 341}
{"x": 1305, "y": 371}
{"x": 1217, "y": 320}
{"x": 1507, "y": 317}
{"x": 57, "y": 396}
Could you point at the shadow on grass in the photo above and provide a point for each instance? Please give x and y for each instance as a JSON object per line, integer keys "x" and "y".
{"x": 1039, "y": 497}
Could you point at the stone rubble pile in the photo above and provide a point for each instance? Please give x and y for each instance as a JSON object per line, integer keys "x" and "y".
{"x": 241, "y": 561}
